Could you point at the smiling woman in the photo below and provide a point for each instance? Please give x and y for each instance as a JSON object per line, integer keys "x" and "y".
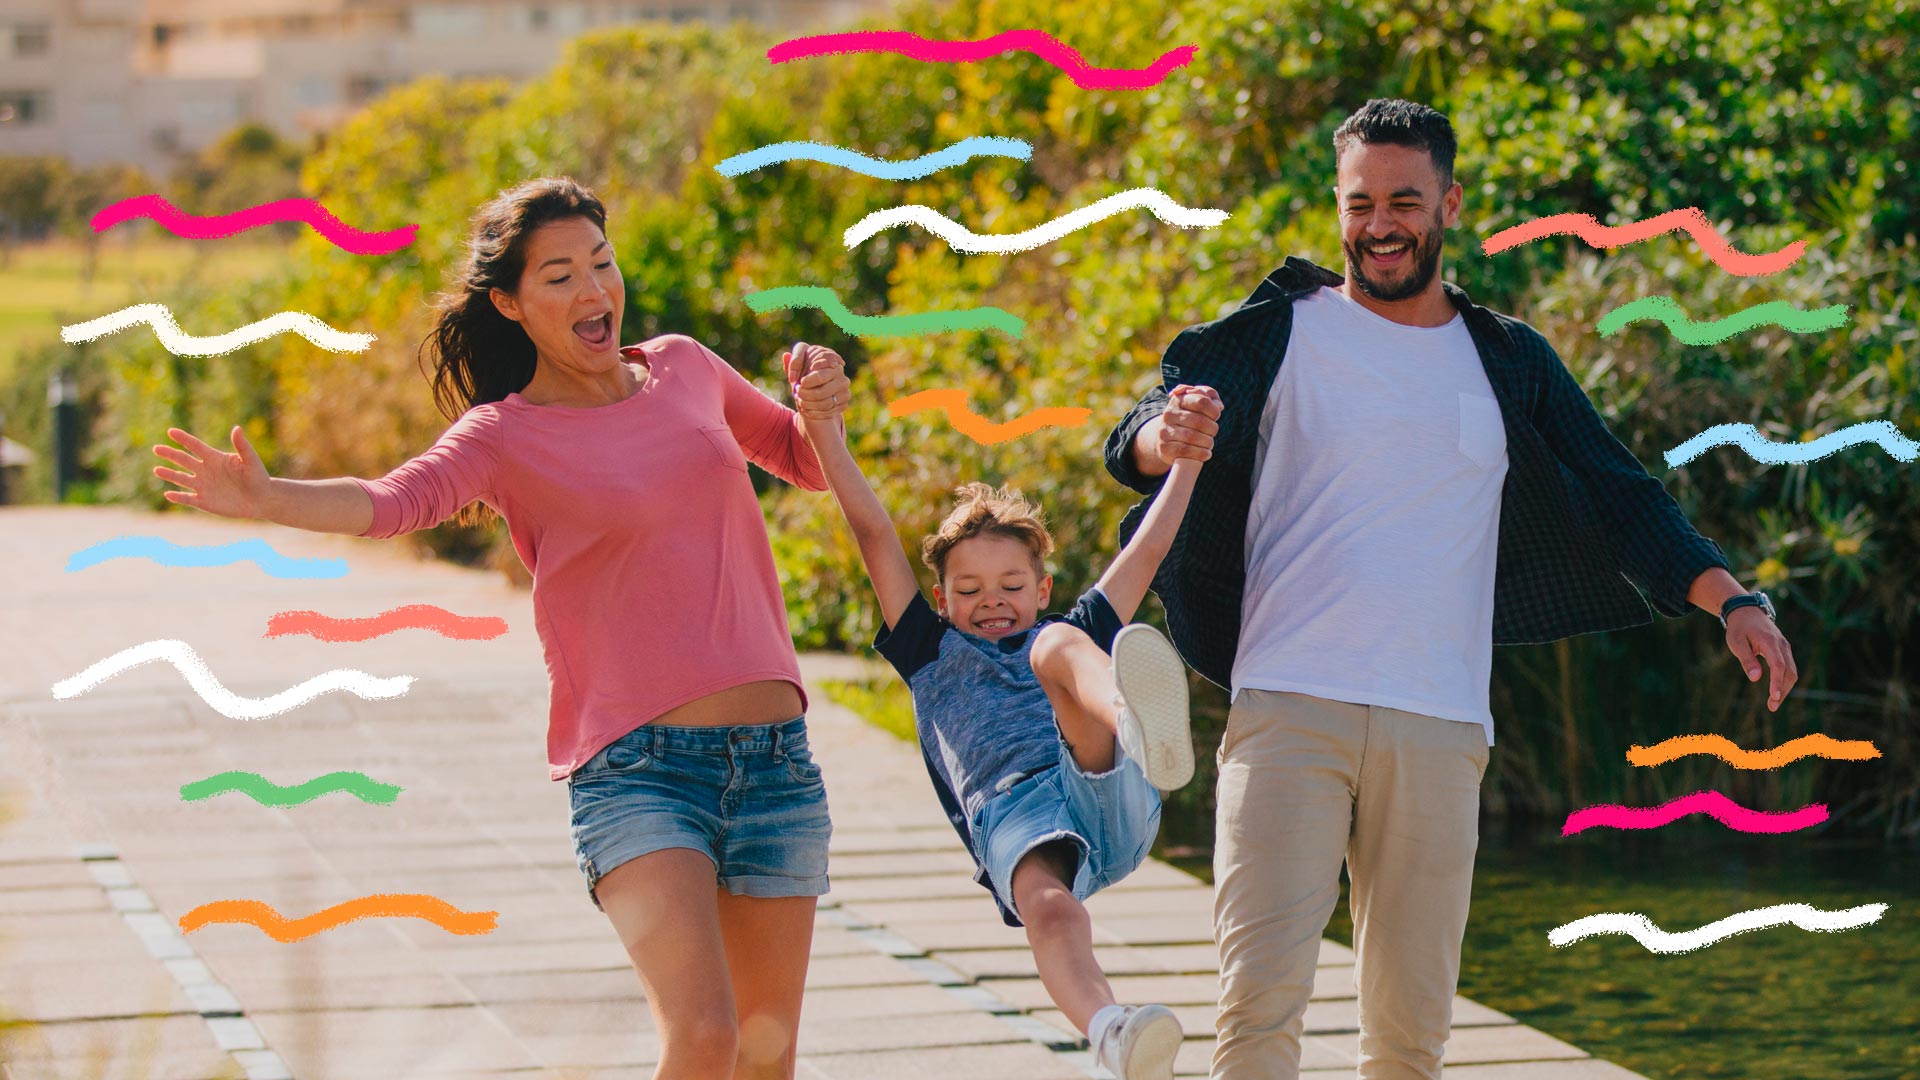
{"x": 622, "y": 475}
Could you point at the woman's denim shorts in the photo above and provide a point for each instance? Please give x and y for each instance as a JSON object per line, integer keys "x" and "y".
{"x": 749, "y": 797}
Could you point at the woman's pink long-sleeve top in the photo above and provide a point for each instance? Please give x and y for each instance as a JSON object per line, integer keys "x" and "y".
{"x": 653, "y": 582}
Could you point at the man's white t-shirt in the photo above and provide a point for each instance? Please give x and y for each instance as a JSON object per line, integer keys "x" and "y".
{"x": 1376, "y": 517}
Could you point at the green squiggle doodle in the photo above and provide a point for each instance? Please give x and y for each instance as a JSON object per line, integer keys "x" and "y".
{"x": 267, "y": 793}
{"x": 926, "y": 322}
{"x": 1773, "y": 313}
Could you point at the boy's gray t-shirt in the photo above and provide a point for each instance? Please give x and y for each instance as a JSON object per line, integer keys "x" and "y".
{"x": 981, "y": 713}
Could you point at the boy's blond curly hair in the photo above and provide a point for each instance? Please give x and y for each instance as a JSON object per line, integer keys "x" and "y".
{"x": 985, "y": 510}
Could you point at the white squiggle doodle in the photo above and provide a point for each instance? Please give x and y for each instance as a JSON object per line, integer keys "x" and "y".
{"x": 181, "y": 655}
{"x": 1641, "y": 929}
{"x": 960, "y": 238}
{"x": 181, "y": 343}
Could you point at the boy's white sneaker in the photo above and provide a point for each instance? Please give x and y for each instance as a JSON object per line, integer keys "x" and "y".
{"x": 1154, "y": 727}
{"x": 1141, "y": 1044}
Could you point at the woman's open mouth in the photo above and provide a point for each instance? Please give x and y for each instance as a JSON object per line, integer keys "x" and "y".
{"x": 597, "y": 330}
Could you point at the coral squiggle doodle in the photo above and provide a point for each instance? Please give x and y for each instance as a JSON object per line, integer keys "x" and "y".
{"x": 1588, "y": 228}
{"x": 411, "y": 617}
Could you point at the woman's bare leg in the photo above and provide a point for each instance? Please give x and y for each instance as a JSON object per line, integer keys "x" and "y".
{"x": 768, "y": 942}
{"x": 663, "y": 907}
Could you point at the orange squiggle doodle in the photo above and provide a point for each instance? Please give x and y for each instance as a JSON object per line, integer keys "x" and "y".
{"x": 279, "y": 928}
{"x": 978, "y": 428}
{"x": 1588, "y": 228}
{"x": 1725, "y": 749}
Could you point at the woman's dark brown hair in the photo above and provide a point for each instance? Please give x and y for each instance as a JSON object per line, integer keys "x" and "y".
{"x": 478, "y": 354}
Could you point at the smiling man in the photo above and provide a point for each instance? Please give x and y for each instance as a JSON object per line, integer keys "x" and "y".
{"x": 1420, "y": 480}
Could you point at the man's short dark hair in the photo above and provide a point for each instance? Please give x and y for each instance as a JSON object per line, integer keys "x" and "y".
{"x": 1400, "y": 123}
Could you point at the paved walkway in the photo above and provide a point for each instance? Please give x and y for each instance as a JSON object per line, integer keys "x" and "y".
{"x": 913, "y": 975}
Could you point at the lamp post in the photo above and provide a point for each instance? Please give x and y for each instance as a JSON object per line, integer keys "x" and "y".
{"x": 63, "y": 399}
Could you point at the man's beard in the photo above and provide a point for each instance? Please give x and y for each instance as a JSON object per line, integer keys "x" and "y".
{"x": 1424, "y": 262}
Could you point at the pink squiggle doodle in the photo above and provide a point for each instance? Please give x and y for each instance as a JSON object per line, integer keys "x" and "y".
{"x": 1038, "y": 42}
{"x": 1712, "y": 803}
{"x": 196, "y": 227}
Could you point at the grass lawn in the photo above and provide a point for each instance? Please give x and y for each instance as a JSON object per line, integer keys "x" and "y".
{"x": 41, "y": 287}
{"x": 884, "y": 703}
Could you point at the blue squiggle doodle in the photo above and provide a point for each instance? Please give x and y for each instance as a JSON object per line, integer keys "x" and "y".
{"x": 1762, "y": 449}
{"x": 912, "y": 169}
{"x": 168, "y": 553}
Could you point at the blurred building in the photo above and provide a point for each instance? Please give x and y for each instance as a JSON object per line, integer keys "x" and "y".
{"x": 148, "y": 81}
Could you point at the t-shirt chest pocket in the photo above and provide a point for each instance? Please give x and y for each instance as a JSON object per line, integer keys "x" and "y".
{"x": 726, "y": 449}
{"x": 1483, "y": 438}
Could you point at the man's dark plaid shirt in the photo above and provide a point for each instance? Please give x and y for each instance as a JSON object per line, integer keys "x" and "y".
{"x": 1581, "y": 522}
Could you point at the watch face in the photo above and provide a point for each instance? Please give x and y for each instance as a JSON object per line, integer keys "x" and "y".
{"x": 1766, "y": 605}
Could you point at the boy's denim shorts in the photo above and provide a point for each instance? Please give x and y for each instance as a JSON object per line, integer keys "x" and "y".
{"x": 1111, "y": 817}
{"x": 749, "y": 797}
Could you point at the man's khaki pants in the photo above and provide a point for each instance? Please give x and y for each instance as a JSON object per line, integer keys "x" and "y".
{"x": 1306, "y": 783}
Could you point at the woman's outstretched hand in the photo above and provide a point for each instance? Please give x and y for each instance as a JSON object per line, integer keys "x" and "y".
{"x": 229, "y": 484}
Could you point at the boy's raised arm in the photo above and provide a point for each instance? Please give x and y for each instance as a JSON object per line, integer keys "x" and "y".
{"x": 887, "y": 564}
{"x": 1126, "y": 582}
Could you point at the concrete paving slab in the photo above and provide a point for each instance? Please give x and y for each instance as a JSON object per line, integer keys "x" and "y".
{"x": 593, "y": 1034}
{"x": 1586, "y": 1069}
{"x": 871, "y": 1004}
{"x": 1508, "y": 1042}
{"x": 289, "y": 989}
{"x": 942, "y": 886}
{"x": 871, "y": 970}
{"x": 1026, "y": 1061}
{"x": 59, "y": 989}
{"x": 156, "y": 1047}
{"x": 42, "y": 874}
{"x": 1316, "y": 1052}
{"x": 952, "y": 1029}
{"x": 1332, "y": 983}
{"x": 1324, "y": 1017}
{"x": 394, "y": 1042}
{"x": 51, "y": 900}
{"x": 1113, "y": 959}
{"x": 855, "y": 865}
{"x": 621, "y": 985}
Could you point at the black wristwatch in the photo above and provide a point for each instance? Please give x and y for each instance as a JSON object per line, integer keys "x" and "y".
{"x": 1752, "y": 599}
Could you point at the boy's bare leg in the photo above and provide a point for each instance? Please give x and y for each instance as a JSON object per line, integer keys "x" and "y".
{"x": 1078, "y": 678}
{"x": 1060, "y": 931}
